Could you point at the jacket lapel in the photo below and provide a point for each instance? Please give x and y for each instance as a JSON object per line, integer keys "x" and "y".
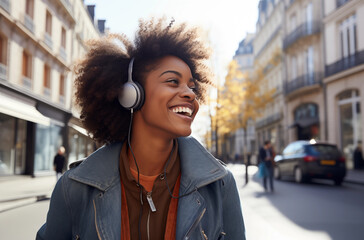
{"x": 198, "y": 168}
{"x": 101, "y": 170}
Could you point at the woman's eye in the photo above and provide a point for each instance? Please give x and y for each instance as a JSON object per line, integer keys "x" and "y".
{"x": 174, "y": 81}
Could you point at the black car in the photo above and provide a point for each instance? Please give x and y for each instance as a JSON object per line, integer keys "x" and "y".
{"x": 308, "y": 159}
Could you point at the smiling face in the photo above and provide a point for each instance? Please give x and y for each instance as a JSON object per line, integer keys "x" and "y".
{"x": 170, "y": 102}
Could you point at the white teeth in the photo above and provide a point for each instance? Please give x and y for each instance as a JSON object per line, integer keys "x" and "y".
{"x": 182, "y": 110}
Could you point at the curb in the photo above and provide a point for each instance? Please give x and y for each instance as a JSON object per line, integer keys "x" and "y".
{"x": 9, "y": 204}
{"x": 354, "y": 182}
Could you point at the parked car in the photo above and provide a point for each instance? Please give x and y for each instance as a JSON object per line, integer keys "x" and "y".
{"x": 309, "y": 159}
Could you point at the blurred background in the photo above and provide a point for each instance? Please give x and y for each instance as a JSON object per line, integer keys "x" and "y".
{"x": 285, "y": 71}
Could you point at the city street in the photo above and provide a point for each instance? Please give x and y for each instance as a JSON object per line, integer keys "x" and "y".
{"x": 317, "y": 211}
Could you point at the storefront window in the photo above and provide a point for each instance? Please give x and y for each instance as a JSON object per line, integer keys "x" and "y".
{"x": 7, "y": 135}
{"x": 350, "y": 122}
{"x": 20, "y": 146}
{"x": 48, "y": 140}
{"x": 80, "y": 146}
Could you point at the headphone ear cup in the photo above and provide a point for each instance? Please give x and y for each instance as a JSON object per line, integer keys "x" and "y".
{"x": 131, "y": 96}
{"x": 141, "y": 98}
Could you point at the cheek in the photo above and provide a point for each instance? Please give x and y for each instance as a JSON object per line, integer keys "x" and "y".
{"x": 197, "y": 107}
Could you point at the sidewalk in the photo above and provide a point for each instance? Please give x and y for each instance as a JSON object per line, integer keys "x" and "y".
{"x": 20, "y": 190}
{"x": 17, "y": 191}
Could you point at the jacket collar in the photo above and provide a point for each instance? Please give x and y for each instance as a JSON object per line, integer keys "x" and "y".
{"x": 198, "y": 166}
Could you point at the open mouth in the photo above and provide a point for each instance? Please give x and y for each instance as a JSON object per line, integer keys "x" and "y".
{"x": 183, "y": 111}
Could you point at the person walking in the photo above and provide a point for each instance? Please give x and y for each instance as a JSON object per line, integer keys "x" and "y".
{"x": 150, "y": 180}
{"x": 59, "y": 161}
{"x": 266, "y": 158}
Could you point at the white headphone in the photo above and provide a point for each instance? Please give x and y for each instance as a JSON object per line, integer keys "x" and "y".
{"x": 131, "y": 95}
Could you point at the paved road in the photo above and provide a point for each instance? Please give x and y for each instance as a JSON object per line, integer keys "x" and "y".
{"x": 318, "y": 211}
{"x": 313, "y": 211}
{"x": 23, "y": 223}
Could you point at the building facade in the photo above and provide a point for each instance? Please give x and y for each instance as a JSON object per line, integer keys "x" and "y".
{"x": 344, "y": 73}
{"x": 268, "y": 65}
{"x": 39, "y": 41}
{"x": 244, "y": 140}
{"x": 304, "y": 66}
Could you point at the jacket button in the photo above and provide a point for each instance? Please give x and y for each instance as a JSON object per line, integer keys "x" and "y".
{"x": 198, "y": 201}
{"x": 101, "y": 195}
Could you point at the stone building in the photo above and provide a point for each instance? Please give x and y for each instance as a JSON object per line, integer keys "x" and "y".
{"x": 39, "y": 41}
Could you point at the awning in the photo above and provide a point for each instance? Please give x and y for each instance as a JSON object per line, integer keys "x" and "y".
{"x": 78, "y": 129}
{"x": 21, "y": 109}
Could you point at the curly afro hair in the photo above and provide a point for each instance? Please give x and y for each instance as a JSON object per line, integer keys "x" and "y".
{"x": 102, "y": 73}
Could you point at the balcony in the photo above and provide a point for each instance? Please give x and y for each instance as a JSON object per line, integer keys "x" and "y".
{"x": 28, "y": 23}
{"x": 48, "y": 40}
{"x": 269, "y": 120}
{"x": 345, "y": 63}
{"x": 62, "y": 53}
{"x": 339, "y": 3}
{"x": 27, "y": 82}
{"x": 302, "y": 82}
{"x": 3, "y": 71}
{"x": 304, "y": 30}
{"x": 46, "y": 91}
{"x": 5, "y": 4}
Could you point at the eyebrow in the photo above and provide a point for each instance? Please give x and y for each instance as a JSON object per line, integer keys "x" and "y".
{"x": 178, "y": 74}
{"x": 171, "y": 71}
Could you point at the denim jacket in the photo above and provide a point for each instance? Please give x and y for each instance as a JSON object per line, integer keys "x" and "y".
{"x": 86, "y": 202}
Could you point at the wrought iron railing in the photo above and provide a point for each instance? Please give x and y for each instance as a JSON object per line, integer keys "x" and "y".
{"x": 5, "y": 4}
{"x": 28, "y": 23}
{"x": 3, "y": 71}
{"x": 302, "y": 81}
{"x": 269, "y": 120}
{"x": 305, "y": 29}
{"x": 48, "y": 40}
{"x": 345, "y": 63}
{"x": 339, "y": 3}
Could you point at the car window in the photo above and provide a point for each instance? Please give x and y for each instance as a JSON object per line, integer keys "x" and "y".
{"x": 289, "y": 149}
{"x": 323, "y": 149}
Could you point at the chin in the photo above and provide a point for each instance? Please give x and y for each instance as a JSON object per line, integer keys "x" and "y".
{"x": 184, "y": 133}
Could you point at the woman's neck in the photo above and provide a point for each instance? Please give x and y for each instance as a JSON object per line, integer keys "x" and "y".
{"x": 151, "y": 154}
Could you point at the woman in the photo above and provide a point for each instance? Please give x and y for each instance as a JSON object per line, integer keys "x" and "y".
{"x": 149, "y": 180}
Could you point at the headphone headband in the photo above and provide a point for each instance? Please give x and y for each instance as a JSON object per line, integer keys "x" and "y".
{"x": 131, "y": 95}
{"x": 130, "y": 70}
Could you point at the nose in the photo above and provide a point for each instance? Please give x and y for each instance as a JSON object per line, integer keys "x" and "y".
{"x": 187, "y": 92}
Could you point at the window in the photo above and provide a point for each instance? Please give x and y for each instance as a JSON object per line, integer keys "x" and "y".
{"x": 47, "y": 80}
{"x": 294, "y": 68}
{"x": 309, "y": 18}
{"x": 26, "y": 65}
{"x": 3, "y": 47}
{"x": 29, "y": 8}
{"x": 309, "y": 64}
{"x": 61, "y": 85}
{"x": 348, "y": 36}
{"x": 48, "y": 23}
{"x": 1, "y": 50}
{"x": 293, "y": 22}
{"x": 63, "y": 38}
{"x": 350, "y": 122}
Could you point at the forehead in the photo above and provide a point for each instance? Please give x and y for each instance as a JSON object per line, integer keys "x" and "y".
{"x": 173, "y": 63}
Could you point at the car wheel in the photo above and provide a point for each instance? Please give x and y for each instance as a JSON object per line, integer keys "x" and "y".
{"x": 277, "y": 173}
{"x": 338, "y": 181}
{"x": 298, "y": 175}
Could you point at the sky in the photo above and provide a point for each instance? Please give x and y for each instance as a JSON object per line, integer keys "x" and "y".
{"x": 226, "y": 21}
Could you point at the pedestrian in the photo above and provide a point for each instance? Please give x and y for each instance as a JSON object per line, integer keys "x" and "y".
{"x": 150, "y": 180}
{"x": 358, "y": 156}
{"x": 58, "y": 162}
{"x": 266, "y": 158}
